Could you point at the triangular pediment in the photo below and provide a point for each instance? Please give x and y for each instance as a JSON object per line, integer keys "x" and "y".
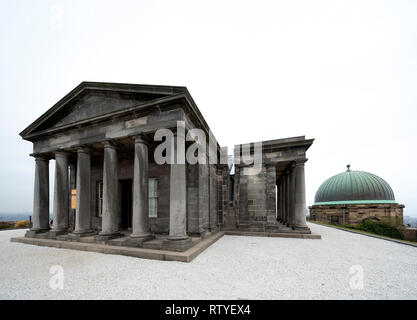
{"x": 92, "y": 101}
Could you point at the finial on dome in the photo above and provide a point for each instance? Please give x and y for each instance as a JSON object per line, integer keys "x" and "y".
{"x": 348, "y": 166}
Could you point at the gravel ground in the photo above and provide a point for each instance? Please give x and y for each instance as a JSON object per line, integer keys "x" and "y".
{"x": 232, "y": 268}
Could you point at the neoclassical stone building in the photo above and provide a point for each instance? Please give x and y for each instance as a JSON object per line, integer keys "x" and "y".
{"x": 351, "y": 197}
{"x": 107, "y": 184}
{"x": 277, "y": 193}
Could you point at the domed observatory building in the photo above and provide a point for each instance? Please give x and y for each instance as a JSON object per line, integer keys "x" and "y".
{"x": 353, "y": 196}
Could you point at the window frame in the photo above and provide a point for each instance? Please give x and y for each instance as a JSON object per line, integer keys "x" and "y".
{"x": 153, "y": 197}
{"x": 99, "y": 198}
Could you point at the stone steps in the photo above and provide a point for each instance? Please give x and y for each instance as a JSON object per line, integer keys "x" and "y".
{"x": 295, "y": 235}
{"x": 145, "y": 253}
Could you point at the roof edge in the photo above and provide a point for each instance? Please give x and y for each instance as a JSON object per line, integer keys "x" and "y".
{"x": 89, "y": 85}
{"x": 355, "y": 202}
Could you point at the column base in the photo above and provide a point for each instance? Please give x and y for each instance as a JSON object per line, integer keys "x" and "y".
{"x": 77, "y": 235}
{"x": 52, "y": 234}
{"x": 301, "y": 228}
{"x": 141, "y": 236}
{"x": 137, "y": 241}
{"x": 177, "y": 243}
{"x": 33, "y": 232}
{"x": 108, "y": 236}
{"x": 177, "y": 238}
{"x": 213, "y": 229}
{"x": 201, "y": 234}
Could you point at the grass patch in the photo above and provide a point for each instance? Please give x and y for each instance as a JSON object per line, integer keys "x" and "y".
{"x": 382, "y": 229}
{"x": 4, "y": 226}
{"x": 370, "y": 227}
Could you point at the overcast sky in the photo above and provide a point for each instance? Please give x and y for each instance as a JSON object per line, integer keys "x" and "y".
{"x": 342, "y": 72}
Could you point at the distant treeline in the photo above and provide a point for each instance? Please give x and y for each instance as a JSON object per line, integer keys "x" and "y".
{"x": 14, "y": 216}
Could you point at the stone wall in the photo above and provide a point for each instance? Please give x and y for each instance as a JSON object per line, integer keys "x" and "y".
{"x": 222, "y": 192}
{"x": 391, "y": 214}
{"x": 256, "y": 198}
{"x": 203, "y": 198}
{"x": 409, "y": 234}
{"x": 212, "y": 197}
{"x": 271, "y": 200}
{"x": 193, "y": 220}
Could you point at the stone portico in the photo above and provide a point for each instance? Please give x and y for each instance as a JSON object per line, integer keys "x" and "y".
{"x": 101, "y": 136}
{"x": 273, "y": 199}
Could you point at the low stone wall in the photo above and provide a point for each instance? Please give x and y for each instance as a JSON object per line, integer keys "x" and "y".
{"x": 409, "y": 234}
{"x": 391, "y": 214}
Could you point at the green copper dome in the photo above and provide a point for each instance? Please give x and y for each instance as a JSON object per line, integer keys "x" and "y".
{"x": 354, "y": 187}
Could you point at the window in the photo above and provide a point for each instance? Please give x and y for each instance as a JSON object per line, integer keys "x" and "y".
{"x": 153, "y": 198}
{"x": 99, "y": 189}
{"x": 334, "y": 219}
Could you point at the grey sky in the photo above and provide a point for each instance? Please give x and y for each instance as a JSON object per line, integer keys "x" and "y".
{"x": 343, "y": 72}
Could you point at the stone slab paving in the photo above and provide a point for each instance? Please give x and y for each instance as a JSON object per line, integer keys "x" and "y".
{"x": 114, "y": 247}
{"x": 233, "y": 267}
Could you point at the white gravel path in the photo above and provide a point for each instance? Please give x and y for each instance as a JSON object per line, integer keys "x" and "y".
{"x": 234, "y": 267}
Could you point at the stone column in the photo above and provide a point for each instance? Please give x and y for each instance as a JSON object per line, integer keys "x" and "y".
{"x": 278, "y": 201}
{"x": 300, "y": 197}
{"x": 72, "y": 179}
{"x": 287, "y": 197}
{"x": 178, "y": 194}
{"x": 271, "y": 194}
{"x": 40, "y": 217}
{"x": 60, "y": 211}
{"x": 281, "y": 193}
{"x": 291, "y": 218}
{"x": 83, "y": 197}
{"x": 284, "y": 199}
{"x": 140, "y": 211}
{"x": 111, "y": 207}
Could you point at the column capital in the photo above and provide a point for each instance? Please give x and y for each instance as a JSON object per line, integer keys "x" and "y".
{"x": 300, "y": 162}
{"x": 109, "y": 144}
{"x": 84, "y": 149}
{"x": 182, "y": 132}
{"x": 40, "y": 157}
{"x": 61, "y": 153}
{"x": 140, "y": 138}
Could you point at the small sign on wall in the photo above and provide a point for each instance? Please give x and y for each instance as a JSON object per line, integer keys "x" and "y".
{"x": 73, "y": 198}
